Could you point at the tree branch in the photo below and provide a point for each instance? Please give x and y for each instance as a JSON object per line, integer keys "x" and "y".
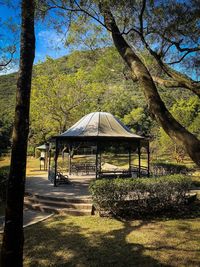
{"x": 5, "y": 64}
{"x": 155, "y": 104}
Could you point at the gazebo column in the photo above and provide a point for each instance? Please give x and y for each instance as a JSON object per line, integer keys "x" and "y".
{"x": 49, "y": 164}
{"x": 129, "y": 159}
{"x": 139, "y": 159}
{"x": 70, "y": 161}
{"x": 56, "y": 159}
{"x": 97, "y": 161}
{"x": 148, "y": 161}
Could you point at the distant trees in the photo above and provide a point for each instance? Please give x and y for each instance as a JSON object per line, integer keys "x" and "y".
{"x": 7, "y": 103}
{"x": 168, "y": 31}
{"x": 161, "y": 54}
{"x": 65, "y": 90}
{"x": 188, "y": 112}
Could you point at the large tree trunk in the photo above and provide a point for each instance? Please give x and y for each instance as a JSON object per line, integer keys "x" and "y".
{"x": 13, "y": 239}
{"x": 156, "y": 106}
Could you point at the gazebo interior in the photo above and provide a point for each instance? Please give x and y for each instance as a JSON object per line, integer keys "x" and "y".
{"x": 101, "y": 146}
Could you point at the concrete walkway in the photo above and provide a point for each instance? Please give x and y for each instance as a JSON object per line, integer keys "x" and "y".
{"x": 78, "y": 187}
{"x": 30, "y": 217}
{"x": 40, "y": 185}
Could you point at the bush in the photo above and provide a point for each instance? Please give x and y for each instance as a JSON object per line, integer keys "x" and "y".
{"x": 163, "y": 168}
{"x": 139, "y": 196}
{"x": 4, "y": 171}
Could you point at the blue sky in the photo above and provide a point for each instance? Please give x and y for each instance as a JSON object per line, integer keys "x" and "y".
{"x": 48, "y": 41}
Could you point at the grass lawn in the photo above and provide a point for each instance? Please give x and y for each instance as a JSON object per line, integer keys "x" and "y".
{"x": 33, "y": 166}
{"x": 93, "y": 241}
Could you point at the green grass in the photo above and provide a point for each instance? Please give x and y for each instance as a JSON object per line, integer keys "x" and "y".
{"x": 32, "y": 169}
{"x": 91, "y": 241}
{"x": 4, "y": 162}
{"x": 94, "y": 241}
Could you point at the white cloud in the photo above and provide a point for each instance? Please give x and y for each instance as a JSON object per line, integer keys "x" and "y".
{"x": 51, "y": 39}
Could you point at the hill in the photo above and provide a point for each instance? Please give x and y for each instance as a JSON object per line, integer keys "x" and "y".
{"x": 67, "y": 88}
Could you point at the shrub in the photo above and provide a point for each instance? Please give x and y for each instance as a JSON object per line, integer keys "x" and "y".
{"x": 164, "y": 168}
{"x": 4, "y": 171}
{"x": 139, "y": 195}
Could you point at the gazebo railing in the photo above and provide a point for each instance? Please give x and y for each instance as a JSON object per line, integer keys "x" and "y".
{"x": 84, "y": 168}
{"x": 135, "y": 171}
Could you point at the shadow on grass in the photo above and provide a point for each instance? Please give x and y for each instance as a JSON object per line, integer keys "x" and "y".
{"x": 70, "y": 241}
{"x": 188, "y": 211}
{"x": 67, "y": 245}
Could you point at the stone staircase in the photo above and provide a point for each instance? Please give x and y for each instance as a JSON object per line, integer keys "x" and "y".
{"x": 59, "y": 205}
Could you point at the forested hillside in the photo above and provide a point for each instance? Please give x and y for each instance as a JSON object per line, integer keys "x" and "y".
{"x": 86, "y": 81}
{"x": 7, "y": 102}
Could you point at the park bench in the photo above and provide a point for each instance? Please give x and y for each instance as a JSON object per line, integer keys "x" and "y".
{"x": 84, "y": 168}
{"x": 61, "y": 178}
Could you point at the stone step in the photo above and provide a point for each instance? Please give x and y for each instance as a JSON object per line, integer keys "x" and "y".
{"x": 61, "y": 199}
{"x": 52, "y": 209}
{"x": 59, "y": 204}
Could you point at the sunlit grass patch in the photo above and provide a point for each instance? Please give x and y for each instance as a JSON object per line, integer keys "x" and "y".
{"x": 94, "y": 241}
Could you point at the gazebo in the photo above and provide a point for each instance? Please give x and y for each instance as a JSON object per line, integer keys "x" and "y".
{"x": 101, "y": 131}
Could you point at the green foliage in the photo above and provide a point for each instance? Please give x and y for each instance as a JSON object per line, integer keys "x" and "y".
{"x": 137, "y": 196}
{"x": 187, "y": 111}
{"x": 65, "y": 89}
{"x": 7, "y": 102}
{"x": 139, "y": 120}
{"x": 169, "y": 168}
{"x": 4, "y": 171}
{"x": 83, "y": 34}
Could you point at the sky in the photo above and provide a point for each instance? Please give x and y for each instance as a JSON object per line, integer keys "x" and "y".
{"x": 48, "y": 41}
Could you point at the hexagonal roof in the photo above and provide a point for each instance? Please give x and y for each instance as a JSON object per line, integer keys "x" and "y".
{"x": 99, "y": 124}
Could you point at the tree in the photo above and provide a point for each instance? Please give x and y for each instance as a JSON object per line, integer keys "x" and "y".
{"x": 159, "y": 28}
{"x": 64, "y": 90}
{"x": 188, "y": 111}
{"x": 12, "y": 247}
{"x": 57, "y": 100}
{"x": 156, "y": 106}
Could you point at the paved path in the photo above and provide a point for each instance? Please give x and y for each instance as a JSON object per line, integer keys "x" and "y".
{"x": 30, "y": 217}
{"x": 196, "y": 191}
{"x": 78, "y": 187}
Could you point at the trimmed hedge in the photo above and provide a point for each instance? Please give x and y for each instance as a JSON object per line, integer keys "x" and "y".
{"x": 125, "y": 196}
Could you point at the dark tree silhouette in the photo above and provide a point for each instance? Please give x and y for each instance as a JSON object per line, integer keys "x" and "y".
{"x": 13, "y": 239}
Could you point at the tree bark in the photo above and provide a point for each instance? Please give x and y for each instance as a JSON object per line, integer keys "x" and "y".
{"x": 155, "y": 104}
{"x": 13, "y": 238}
{"x": 183, "y": 81}
{"x": 192, "y": 86}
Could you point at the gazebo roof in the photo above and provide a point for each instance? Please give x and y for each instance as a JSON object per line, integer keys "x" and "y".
{"x": 99, "y": 124}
